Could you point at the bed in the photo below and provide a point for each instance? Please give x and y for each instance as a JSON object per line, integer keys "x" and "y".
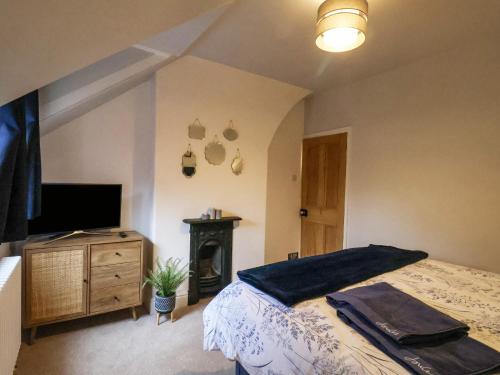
{"x": 267, "y": 337}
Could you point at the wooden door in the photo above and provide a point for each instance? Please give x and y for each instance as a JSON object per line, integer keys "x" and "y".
{"x": 323, "y": 194}
{"x": 56, "y": 284}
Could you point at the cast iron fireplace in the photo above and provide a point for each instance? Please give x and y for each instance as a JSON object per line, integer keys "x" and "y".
{"x": 211, "y": 251}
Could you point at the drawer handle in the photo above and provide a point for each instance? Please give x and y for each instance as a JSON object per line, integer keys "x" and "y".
{"x": 117, "y": 276}
{"x": 117, "y": 299}
{"x": 117, "y": 253}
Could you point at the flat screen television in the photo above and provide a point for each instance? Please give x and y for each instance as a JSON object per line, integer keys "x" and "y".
{"x": 74, "y": 207}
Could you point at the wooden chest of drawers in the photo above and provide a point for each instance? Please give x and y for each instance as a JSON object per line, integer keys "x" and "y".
{"x": 115, "y": 276}
{"x": 79, "y": 277}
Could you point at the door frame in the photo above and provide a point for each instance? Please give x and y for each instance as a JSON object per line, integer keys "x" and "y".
{"x": 348, "y": 130}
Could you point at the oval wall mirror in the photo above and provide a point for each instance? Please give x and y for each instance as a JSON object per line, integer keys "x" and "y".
{"x": 189, "y": 163}
{"x": 230, "y": 132}
{"x": 196, "y": 130}
{"x": 215, "y": 153}
{"x": 237, "y": 164}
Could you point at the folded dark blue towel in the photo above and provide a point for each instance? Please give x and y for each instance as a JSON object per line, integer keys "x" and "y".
{"x": 298, "y": 280}
{"x": 421, "y": 339}
{"x": 399, "y": 316}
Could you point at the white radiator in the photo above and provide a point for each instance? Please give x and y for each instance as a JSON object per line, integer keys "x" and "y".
{"x": 10, "y": 312}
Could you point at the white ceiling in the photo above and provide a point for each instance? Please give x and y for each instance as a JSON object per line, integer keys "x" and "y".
{"x": 77, "y": 93}
{"x": 42, "y": 41}
{"x": 175, "y": 41}
{"x": 90, "y": 74}
{"x": 275, "y": 38}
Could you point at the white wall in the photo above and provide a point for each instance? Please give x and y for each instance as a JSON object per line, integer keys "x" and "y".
{"x": 284, "y": 187}
{"x": 193, "y": 88}
{"x": 425, "y": 155}
{"x": 113, "y": 143}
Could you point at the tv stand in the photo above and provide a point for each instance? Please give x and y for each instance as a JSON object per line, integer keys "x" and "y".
{"x": 76, "y": 233}
{"x": 81, "y": 276}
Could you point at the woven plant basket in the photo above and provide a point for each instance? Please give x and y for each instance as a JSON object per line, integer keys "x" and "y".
{"x": 164, "y": 304}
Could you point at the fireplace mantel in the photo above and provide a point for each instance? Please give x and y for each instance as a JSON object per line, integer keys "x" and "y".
{"x": 211, "y": 221}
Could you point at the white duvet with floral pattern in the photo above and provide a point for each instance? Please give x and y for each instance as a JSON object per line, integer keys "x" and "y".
{"x": 267, "y": 337}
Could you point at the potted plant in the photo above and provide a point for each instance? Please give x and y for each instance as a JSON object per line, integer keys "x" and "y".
{"x": 165, "y": 280}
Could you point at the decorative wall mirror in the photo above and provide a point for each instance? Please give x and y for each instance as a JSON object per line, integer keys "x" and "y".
{"x": 189, "y": 163}
{"x": 215, "y": 153}
{"x": 230, "y": 132}
{"x": 196, "y": 130}
{"x": 237, "y": 164}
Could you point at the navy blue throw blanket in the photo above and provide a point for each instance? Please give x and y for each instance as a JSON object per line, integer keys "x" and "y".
{"x": 298, "y": 280}
{"x": 20, "y": 167}
{"x": 420, "y": 338}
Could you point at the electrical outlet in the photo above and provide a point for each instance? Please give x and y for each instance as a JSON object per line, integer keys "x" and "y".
{"x": 293, "y": 256}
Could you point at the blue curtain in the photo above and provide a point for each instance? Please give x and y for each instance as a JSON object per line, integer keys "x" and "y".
{"x": 20, "y": 167}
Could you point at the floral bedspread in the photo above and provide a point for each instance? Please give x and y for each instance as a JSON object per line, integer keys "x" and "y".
{"x": 267, "y": 337}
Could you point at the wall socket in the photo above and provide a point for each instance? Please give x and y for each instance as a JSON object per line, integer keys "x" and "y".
{"x": 293, "y": 256}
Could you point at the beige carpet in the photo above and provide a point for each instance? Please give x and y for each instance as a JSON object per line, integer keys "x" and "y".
{"x": 115, "y": 344}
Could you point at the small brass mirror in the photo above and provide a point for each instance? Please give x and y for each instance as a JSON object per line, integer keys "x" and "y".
{"x": 237, "y": 164}
{"x": 230, "y": 132}
{"x": 196, "y": 130}
{"x": 215, "y": 153}
{"x": 189, "y": 163}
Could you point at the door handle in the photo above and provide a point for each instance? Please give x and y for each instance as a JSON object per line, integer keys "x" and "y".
{"x": 304, "y": 212}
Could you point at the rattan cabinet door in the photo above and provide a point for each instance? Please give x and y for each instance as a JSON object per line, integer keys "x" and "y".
{"x": 56, "y": 284}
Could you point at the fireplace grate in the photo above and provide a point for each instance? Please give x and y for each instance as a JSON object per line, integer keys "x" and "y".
{"x": 210, "y": 256}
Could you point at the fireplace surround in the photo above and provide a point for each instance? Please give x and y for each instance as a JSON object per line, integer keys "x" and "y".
{"x": 211, "y": 251}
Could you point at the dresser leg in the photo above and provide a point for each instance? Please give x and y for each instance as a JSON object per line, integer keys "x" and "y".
{"x": 172, "y": 317}
{"x": 134, "y": 313}
{"x": 32, "y": 337}
{"x": 157, "y": 318}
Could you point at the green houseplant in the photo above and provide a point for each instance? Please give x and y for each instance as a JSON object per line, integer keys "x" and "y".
{"x": 165, "y": 280}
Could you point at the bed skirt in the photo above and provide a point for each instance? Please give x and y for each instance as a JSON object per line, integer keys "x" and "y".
{"x": 240, "y": 370}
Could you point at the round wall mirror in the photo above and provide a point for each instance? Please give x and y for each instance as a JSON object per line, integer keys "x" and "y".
{"x": 215, "y": 153}
{"x": 237, "y": 164}
{"x": 189, "y": 163}
{"x": 230, "y": 132}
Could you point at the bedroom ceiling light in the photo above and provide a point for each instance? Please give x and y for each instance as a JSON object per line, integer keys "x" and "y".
{"x": 341, "y": 25}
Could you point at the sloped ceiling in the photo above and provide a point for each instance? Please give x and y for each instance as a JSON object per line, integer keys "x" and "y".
{"x": 177, "y": 40}
{"x": 275, "y": 38}
{"x": 75, "y": 94}
{"x": 42, "y": 41}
